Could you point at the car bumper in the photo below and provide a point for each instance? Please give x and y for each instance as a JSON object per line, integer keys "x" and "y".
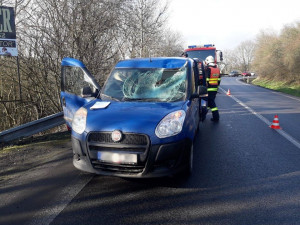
{"x": 154, "y": 161}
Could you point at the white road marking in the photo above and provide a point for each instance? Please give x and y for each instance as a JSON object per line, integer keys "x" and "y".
{"x": 262, "y": 118}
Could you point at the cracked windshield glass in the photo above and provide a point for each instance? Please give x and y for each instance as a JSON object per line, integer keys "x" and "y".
{"x": 144, "y": 84}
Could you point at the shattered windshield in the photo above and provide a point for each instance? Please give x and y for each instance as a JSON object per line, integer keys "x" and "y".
{"x": 146, "y": 84}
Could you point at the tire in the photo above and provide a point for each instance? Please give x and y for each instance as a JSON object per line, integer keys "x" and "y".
{"x": 191, "y": 160}
{"x": 189, "y": 168}
{"x": 184, "y": 174}
{"x": 202, "y": 115}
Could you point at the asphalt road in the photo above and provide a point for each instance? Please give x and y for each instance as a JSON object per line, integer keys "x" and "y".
{"x": 244, "y": 173}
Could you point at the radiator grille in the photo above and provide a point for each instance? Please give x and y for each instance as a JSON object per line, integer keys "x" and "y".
{"x": 130, "y": 143}
{"x": 135, "y": 139}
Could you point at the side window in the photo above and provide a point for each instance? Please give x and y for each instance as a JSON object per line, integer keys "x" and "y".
{"x": 75, "y": 79}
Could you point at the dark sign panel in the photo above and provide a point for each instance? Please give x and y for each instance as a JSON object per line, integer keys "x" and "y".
{"x": 7, "y": 23}
{"x": 8, "y": 45}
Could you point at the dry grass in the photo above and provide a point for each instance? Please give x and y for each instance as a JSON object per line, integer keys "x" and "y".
{"x": 285, "y": 87}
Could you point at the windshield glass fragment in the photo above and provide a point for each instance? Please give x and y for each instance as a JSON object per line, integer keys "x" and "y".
{"x": 146, "y": 84}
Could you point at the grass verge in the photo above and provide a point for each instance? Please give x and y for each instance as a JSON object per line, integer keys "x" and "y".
{"x": 278, "y": 86}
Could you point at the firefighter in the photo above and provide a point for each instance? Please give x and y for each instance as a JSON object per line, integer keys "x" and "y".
{"x": 213, "y": 80}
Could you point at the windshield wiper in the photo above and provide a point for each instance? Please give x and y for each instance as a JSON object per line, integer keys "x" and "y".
{"x": 110, "y": 97}
{"x": 132, "y": 99}
{"x": 143, "y": 99}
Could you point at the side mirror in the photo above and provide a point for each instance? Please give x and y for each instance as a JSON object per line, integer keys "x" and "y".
{"x": 88, "y": 92}
{"x": 219, "y": 56}
{"x": 202, "y": 91}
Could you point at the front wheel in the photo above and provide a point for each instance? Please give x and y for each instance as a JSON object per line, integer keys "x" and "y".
{"x": 202, "y": 113}
{"x": 189, "y": 168}
{"x": 191, "y": 159}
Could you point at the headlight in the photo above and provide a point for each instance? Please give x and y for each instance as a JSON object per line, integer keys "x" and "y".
{"x": 79, "y": 120}
{"x": 171, "y": 124}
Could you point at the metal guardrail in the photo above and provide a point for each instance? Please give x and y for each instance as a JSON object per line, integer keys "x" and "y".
{"x": 31, "y": 128}
{"x": 248, "y": 80}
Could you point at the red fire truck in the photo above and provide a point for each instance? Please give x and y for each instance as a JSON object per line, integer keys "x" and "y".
{"x": 202, "y": 51}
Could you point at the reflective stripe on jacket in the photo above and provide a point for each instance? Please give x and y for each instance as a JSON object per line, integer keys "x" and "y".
{"x": 214, "y": 109}
{"x": 212, "y": 89}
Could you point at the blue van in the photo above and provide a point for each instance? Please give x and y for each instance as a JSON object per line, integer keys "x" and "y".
{"x": 141, "y": 123}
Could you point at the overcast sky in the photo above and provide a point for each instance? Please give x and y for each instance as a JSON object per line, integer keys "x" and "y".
{"x": 227, "y": 23}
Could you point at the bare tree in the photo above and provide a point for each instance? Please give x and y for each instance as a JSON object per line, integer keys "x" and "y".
{"x": 245, "y": 54}
{"x": 170, "y": 43}
{"x": 241, "y": 57}
{"x": 277, "y": 55}
{"x": 231, "y": 61}
{"x": 140, "y": 27}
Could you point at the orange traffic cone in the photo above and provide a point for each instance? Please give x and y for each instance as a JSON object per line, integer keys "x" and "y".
{"x": 228, "y": 92}
{"x": 275, "y": 124}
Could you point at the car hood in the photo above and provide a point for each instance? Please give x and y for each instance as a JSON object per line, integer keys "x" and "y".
{"x": 137, "y": 117}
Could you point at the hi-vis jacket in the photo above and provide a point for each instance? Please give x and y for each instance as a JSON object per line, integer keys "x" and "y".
{"x": 213, "y": 79}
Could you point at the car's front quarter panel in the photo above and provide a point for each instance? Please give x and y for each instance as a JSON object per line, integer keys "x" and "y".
{"x": 192, "y": 118}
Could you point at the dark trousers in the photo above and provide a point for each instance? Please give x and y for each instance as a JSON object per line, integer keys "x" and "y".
{"x": 212, "y": 105}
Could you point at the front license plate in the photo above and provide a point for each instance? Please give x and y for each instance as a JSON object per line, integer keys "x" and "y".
{"x": 120, "y": 158}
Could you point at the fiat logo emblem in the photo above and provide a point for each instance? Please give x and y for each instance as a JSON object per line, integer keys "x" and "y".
{"x": 116, "y": 135}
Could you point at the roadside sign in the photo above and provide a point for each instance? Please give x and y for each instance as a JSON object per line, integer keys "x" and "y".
{"x": 8, "y": 42}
